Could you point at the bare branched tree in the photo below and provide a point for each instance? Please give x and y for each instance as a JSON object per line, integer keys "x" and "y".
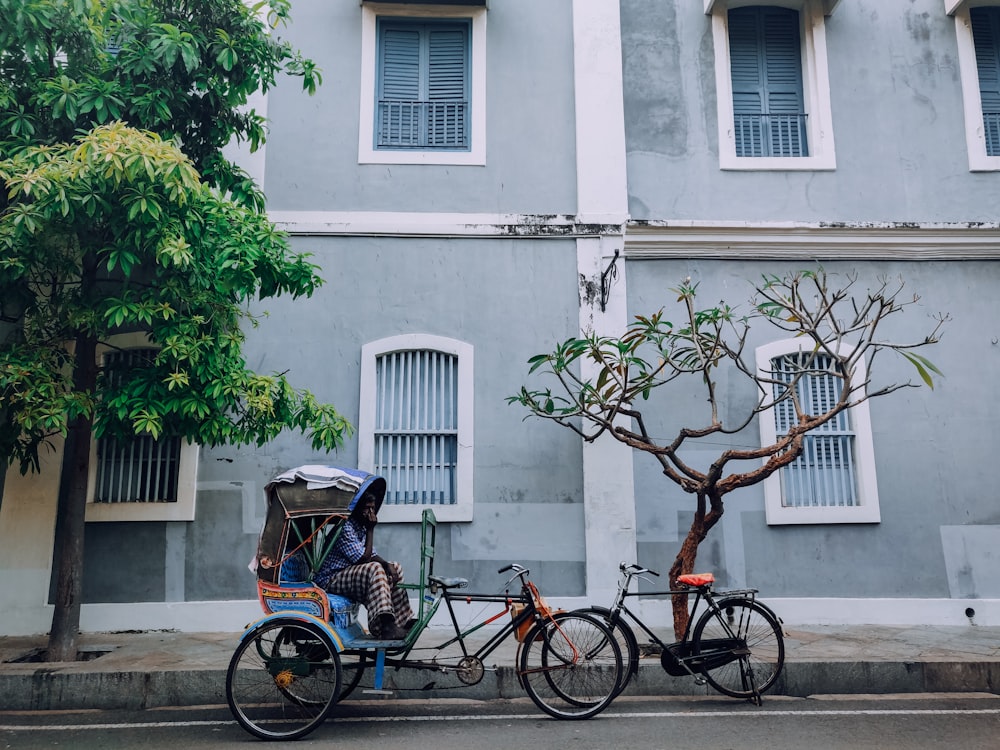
{"x": 840, "y": 333}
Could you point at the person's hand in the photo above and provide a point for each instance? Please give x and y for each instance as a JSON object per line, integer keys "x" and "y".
{"x": 369, "y": 517}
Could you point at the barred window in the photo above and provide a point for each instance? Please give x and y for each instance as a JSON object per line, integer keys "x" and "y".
{"x": 415, "y": 426}
{"x": 833, "y": 480}
{"x": 143, "y": 469}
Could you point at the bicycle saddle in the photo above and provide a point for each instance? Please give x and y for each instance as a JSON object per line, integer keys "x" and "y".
{"x": 448, "y": 583}
{"x": 696, "y": 579}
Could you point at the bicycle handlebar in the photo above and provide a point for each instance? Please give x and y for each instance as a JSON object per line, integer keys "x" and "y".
{"x": 636, "y": 570}
{"x": 513, "y": 566}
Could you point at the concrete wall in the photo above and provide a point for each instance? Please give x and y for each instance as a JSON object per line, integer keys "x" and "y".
{"x": 312, "y": 158}
{"x": 932, "y": 449}
{"x": 898, "y": 123}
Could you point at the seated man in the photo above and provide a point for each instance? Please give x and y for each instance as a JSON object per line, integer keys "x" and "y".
{"x": 353, "y": 569}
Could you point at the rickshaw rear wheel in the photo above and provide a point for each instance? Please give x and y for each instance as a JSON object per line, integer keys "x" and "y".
{"x": 283, "y": 679}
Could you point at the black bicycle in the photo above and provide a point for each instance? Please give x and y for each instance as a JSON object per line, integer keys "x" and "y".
{"x": 736, "y": 645}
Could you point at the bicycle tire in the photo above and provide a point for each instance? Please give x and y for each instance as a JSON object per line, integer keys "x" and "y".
{"x": 275, "y": 690}
{"x": 756, "y": 668}
{"x": 570, "y": 666}
{"x": 627, "y": 642}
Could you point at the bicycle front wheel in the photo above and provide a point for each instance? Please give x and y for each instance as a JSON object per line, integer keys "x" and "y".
{"x": 741, "y": 646}
{"x": 570, "y": 666}
{"x": 627, "y": 642}
{"x": 283, "y": 679}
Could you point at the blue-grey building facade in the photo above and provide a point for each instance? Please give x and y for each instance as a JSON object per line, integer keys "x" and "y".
{"x": 565, "y": 165}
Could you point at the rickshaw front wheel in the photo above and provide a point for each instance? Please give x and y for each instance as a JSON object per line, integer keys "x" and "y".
{"x": 283, "y": 679}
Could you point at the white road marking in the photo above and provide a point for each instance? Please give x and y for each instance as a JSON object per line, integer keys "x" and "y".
{"x": 530, "y": 717}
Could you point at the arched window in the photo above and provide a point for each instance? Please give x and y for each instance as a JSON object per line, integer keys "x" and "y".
{"x": 415, "y": 425}
{"x": 833, "y": 480}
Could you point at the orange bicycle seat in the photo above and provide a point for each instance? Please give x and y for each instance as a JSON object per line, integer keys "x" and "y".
{"x": 696, "y": 579}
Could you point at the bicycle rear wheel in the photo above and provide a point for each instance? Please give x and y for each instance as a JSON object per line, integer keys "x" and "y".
{"x": 283, "y": 679}
{"x": 627, "y": 642}
{"x": 570, "y": 666}
{"x": 742, "y": 647}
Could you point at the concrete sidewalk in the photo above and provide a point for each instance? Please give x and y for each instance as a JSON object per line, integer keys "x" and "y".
{"x": 138, "y": 670}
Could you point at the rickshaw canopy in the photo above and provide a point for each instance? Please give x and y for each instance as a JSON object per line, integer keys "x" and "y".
{"x": 318, "y": 495}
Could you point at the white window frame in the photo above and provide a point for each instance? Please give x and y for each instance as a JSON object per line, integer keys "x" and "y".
{"x": 867, "y": 510}
{"x": 187, "y": 473}
{"x": 975, "y": 137}
{"x": 367, "y": 153}
{"x": 462, "y": 509}
{"x": 815, "y": 88}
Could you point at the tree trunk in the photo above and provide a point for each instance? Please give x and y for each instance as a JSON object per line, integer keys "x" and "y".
{"x": 684, "y": 562}
{"x": 71, "y": 513}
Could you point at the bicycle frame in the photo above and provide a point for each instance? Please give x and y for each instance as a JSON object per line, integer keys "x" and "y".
{"x": 398, "y": 658}
{"x": 691, "y": 663}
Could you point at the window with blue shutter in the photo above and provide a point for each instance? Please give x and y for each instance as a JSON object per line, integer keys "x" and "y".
{"x": 423, "y": 85}
{"x": 766, "y": 69}
{"x": 986, "y": 35}
{"x": 825, "y": 474}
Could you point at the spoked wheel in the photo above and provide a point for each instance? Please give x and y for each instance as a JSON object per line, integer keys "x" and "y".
{"x": 744, "y": 655}
{"x": 283, "y": 679}
{"x": 626, "y": 642}
{"x": 570, "y": 666}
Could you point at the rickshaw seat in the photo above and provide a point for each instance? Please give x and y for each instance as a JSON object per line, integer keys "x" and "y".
{"x": 303, "y": 596}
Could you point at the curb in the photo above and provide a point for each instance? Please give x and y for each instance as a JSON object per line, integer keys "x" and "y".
{"x": 59, "y": 689}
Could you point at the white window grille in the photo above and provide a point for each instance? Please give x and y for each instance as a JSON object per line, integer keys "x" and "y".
{"x": 415, "y": 425}
{"x": 142, "y": 479}
{"x": 833, "y": 480}
{"x": 824, "y": 475}
{"x": 416, "y": 430}
{"x": 143, "y": 469}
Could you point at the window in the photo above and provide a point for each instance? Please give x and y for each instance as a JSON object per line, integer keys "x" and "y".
{"x": 423, "y": 85}
{"x": 773, "y": 89}
{"x": 978, "y": 36}
{"x": 145, "y": 479}
{"x": 832, "y": 481}
{"x": 423, "y": 74}
{"x": 768, "y": 116}
{"x": 415, "y": 425}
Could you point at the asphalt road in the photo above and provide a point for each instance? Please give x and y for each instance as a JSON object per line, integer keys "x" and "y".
{"x": 850, "y": 723}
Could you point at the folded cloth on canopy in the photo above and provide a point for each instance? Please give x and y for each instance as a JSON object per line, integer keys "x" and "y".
{"x": 318, "y": 477}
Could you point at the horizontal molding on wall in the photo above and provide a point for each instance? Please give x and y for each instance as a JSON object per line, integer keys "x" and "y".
{"x": 819, "y": 241}
{"x": 416, "y": 224}
{"x": 674, "y": 239}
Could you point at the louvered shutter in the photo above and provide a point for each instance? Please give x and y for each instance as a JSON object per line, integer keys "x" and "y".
{"x": 746, "y": 62}
{"x": 423, "y": 88}
{"x": 766, "y": 70}
{"x": 399, "y": 94}
{"x": 986, "y": 34}
{"x": 447, "y": 86}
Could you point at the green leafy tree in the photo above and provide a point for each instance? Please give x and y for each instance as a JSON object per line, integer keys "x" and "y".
{"x": 184, "y": 69}
{"x": 601, "y": 383}
{"x": 107, "y": 227}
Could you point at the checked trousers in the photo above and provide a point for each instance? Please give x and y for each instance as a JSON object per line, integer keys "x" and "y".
{"x": 368, "y": 583}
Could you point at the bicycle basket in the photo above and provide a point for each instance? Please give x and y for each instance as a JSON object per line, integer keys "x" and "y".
{"x": 541, "y": 607}
{"x": 522, "y": 630}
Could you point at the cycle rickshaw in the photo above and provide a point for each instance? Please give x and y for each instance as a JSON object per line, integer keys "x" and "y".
{"x": 309, "y": 649}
